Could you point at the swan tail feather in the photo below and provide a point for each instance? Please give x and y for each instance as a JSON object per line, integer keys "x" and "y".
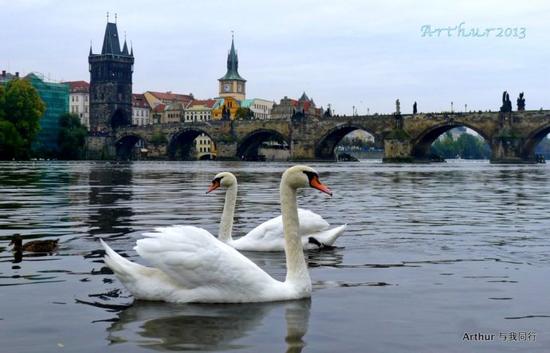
{"x": 328, "y": 237}
{"x": 123, "y": 268}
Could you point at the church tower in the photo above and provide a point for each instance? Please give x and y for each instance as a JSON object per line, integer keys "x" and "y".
{"x": 232, "y": 84}
{"x": 111, "y": 83}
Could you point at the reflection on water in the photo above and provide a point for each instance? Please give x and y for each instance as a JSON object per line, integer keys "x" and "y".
{"x": 162, "y": 326}
{"x": 110, "y": 193}
{"x": 430, "y": 252}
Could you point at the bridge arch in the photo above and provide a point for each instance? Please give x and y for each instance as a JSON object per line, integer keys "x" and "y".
{"x": 532, "y": 140}
{"x": 182, "y": 144}
{"x": 421, "y": 145}
{"x": 248, "y": 147}
{"x": 326, "y": 145}
{"x": 130, "y": 147}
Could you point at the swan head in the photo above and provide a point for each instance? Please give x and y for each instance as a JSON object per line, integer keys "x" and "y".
{"x": 302, "y": 176}
{"x": 223, "y": 179}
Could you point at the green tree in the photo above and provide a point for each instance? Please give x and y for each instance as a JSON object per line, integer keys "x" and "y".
{"x": 71, "y": 138}
{"x": 244, "y": 114}
{"x": 20, "y": 111}
{"x": 466, "y": 146}
{"x": 158, "y": 138}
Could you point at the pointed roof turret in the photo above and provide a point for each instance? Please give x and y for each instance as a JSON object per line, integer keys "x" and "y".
{"x": 304, "y": 97}
{"x": 91, "y": 49}
{"x": 232, "y": 64}
{"x": 125, "y": 48}
{"x": 111, "y": 44}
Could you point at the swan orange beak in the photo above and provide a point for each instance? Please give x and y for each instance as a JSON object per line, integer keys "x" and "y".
{"x": 215, "y": 184}
{"x": 316, "y": 184}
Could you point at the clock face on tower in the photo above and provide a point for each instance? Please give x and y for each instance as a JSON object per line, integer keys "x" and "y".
{"x": 240, "y": 87}
{"x": 227, "y": 87}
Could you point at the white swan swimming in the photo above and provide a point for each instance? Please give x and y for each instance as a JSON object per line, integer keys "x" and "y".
{"x": 268, "y": 236}
{"x": 191, "y": 265}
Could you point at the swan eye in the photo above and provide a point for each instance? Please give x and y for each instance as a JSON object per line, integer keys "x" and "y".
{"x": 311, "y": 175}
{"x": 215, "y": 184}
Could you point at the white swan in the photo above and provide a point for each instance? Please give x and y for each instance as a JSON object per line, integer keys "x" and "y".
{"x": 191, "y": 265}
{"x": 268, "y": 236}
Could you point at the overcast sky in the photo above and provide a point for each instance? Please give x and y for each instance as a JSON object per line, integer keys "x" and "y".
{"x": 347, "y": 53}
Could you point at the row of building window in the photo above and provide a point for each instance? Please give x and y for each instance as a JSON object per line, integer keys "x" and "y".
{"x": 75, "y": 98}
{"x": 76, "y": 109}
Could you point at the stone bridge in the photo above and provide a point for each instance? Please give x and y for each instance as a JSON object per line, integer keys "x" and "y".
{"x": 512, "y": 136}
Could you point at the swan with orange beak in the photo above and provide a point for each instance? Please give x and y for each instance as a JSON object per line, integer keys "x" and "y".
{"x": 314, "y": 231}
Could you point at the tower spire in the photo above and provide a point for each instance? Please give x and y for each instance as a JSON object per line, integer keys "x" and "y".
{"x": 232, "y": 63}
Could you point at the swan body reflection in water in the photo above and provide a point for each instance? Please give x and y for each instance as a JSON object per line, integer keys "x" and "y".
{"x": 164, "y": 326}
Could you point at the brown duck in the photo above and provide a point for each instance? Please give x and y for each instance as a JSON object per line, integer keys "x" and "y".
{"x": 33, "y": 246}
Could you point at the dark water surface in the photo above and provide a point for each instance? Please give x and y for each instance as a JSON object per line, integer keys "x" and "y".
{"x": 431, "y": 252}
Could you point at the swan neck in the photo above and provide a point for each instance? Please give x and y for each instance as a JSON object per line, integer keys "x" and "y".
{"x": 295, "y": 261}
{"x": 226, "y": 224}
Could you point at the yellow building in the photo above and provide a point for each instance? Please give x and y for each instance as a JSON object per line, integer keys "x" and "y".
{"x": 225, "y": 109}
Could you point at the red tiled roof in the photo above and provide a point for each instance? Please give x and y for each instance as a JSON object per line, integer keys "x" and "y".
{"x": 159, "y": 108}
{"x": 206, "y": 102}
{"x": 78, "y": 86}
{"x": 139, "y": 101}
{"x": 169, "y": 96}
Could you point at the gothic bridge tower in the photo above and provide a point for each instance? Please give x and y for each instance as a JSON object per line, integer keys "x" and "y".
{"x": 111, "y": 83}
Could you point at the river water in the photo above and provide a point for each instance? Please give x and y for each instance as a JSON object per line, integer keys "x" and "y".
{"x": 431, "y": 253}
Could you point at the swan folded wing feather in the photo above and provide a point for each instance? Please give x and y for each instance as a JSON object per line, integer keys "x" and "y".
{"x": 310, "y": 222}
{"x": 329, "y": 236}
{"x": 195, "y": 258}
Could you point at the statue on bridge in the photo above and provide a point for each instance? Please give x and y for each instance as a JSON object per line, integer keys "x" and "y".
{"x": 397, "y": 115}
{"x": 415, "y": 110}
{"x": 397, "y": 107}
{"x": 226, "y": 114}
{"x": 506, "y": 103}
{"x": 521, "y": 102}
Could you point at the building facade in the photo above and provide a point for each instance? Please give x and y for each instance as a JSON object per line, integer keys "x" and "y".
{"x": 288, "y": 108}
{"x": 173, "y": 113}
{"x": 199, "y": 110}
{"x": 232, "y": 84}
{"x": 261, "y": 108}
{"x": 111, "y": 83}
{"x": 225, "y": 109}
{"x": 79, "y": 101}
{"x": 56, "y": 98}
{"x": 141, "y": 111}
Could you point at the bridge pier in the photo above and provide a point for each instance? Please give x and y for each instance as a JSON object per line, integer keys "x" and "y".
{"x": 397, "y": 151}
{"x": 226, "y": 150}
{"x": 506, "y": 149}
{"x": 100, "y": 148}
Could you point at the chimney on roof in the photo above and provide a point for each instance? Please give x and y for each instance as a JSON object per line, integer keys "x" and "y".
{"x": 17, "y": 74}
{"x": 3, "y": 73}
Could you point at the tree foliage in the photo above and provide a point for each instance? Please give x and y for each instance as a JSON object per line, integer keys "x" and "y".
{"x": 244, "y": 114}
{"x": 71, "y": 138}
{"x": 20, "y": 111}
{"x": 466, "y": 146}
{"x": 158, "y": 138}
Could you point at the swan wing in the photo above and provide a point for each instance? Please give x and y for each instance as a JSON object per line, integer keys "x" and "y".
{"x": 326, "y": 237}
{"x": 197, "y": 260}
{"x": 143, "y": 282}
{"x": 310, "y": 222}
